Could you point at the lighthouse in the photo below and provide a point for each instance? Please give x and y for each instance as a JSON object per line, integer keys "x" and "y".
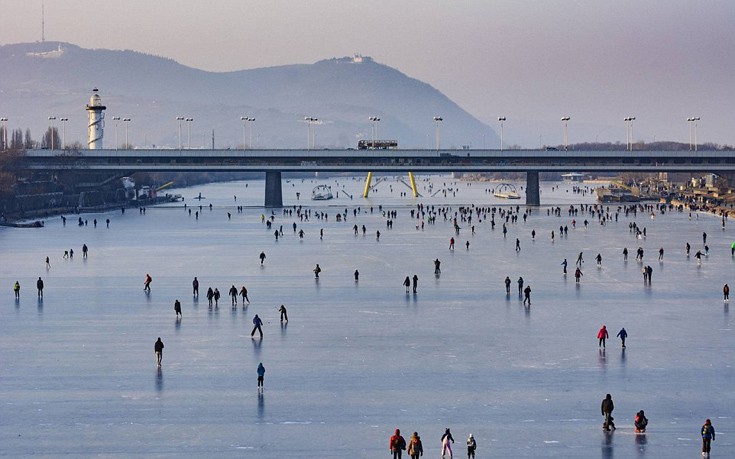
{"x": 96, "y": 121}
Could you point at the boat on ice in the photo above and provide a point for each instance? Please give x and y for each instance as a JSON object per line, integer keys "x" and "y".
{"x": 506, "y": 191}
{"x": 321, "y": 193}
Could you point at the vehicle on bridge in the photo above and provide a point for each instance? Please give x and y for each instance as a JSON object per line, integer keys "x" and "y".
{"x": 377, "y": 144}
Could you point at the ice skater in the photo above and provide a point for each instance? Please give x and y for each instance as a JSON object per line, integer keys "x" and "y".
{"x": 261, "y": 376}
{"x": 158, "y": 348}
{"x": 177, "y": 308}
{"x": 147, "y": 283}
{"x": 317, "y": 270}
{"x": 725, "y": 292}
{"x": 437, "y": 269}
{"x": 580, "y": 260}
{"x": 446, "y": 445}
{"x": 262, "y": 257}
{"x": 233, "y": 295}
{"x": 527, "y": 296}
{"x": 284, "y": 313}
{"x": 244, "y": 295}
{"x": 257, "y": 323}
{"x": 564, "y": 266}
{"x": 622, "y": 334}
{"x": 602, "y": 335}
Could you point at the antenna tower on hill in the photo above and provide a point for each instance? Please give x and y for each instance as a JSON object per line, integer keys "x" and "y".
{"x": 43, "y": 22}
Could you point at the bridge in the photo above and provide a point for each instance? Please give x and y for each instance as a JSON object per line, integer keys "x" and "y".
{"x": 274, "y": 162}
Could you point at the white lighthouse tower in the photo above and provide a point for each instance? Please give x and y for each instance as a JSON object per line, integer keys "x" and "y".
{"x": 96, "y": 121}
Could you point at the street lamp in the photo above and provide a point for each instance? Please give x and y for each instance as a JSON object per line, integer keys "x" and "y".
{"x": 188, "y": 132}
{"x": 693, "y": 120}
{"x": 63, "y": 132}
{"x": 249, "y": 120}
{"x": 565, "y": 120}
{"x": 116, "y": 119}
{"x": 5, "y": 132}
{"x": 127, "y": 123}
{"x": 438, "y": 120}
{"x": 179, "y": 119}
{"x": 502, "y": 120}
{"x": 51, "y": 119}
{"x": 374, "y": 120}
{"x": 629, "y": 132}
{"x": 311, "y": 138}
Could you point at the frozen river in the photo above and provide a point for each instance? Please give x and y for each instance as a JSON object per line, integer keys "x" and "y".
{"x": 359, "y": 359}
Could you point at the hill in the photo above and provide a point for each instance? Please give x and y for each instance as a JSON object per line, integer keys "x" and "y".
{"x": 38, "y": 80}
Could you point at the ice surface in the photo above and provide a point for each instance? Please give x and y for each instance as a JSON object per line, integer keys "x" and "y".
{"x": 357, "y": 360}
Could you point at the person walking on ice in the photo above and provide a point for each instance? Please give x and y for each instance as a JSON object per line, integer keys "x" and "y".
{"x": 261, "y": 376}
{"x": 317, "y": 270}
{"x": 16, "y": 290}
{"x": 607, "y": 408}
{"x": 415, "y": 282}
{"x": 708, "y": 436}
{"x": 471, "y": 447}
{"x": 726, "y": 293}
{"x": 147, "y": 283}
{"x": 602, "y": 335}
{"x": 527, "y": 296}
{"x": 446, "y": 445}
{"x": 415, "y": 447}
{"x": 257, "y": 323}
{"x": 158, "y": 349}
{"x": 39, "y": 286}
{"x": 177, "y": 308}
{"x": 397, "y": 444}
{"x": 407, "y": 283}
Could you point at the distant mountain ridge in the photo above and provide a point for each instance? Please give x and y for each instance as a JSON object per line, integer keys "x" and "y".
{"x": 38, "y": 80}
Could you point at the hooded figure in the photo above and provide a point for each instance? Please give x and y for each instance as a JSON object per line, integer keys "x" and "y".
{"x": 397, "y": 444}
{"x": 415, "y": 447}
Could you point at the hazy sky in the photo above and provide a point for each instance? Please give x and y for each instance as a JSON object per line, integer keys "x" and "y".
{"x": 532, "y": 61}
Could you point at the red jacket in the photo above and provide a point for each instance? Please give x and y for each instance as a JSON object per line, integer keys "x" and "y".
{"x": 397, "y": 442}
{"x": 602, "y": 333}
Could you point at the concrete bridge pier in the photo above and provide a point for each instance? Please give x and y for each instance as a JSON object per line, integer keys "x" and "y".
{"x": 273, "y": 191}
{"x": 533, "y": 194}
